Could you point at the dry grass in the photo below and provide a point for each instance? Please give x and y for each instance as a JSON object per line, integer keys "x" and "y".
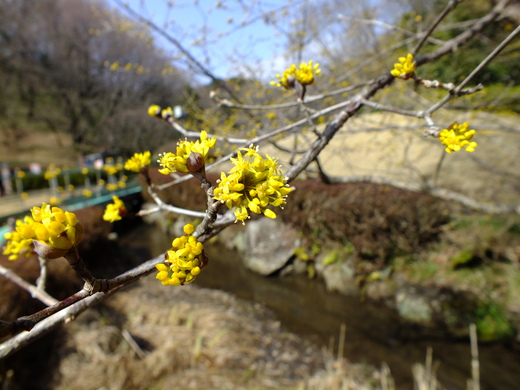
{"x": 193, "y": 338}
{"x": 37, "y": 147}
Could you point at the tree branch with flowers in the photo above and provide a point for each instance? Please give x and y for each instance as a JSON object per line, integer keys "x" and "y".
{"x": 255, "y": 183}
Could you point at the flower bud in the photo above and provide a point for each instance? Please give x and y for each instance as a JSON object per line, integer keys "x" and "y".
{"x": 195, "y": 162}
{"x": 291, "y": 81}
{"x": 61, "y": 244}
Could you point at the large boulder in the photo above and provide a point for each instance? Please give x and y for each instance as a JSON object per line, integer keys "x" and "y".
{"x": 268, "y": 245}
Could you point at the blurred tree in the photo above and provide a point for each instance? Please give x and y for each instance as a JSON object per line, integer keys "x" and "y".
{"x": 80, "y": 67}
{"x": 460, "y": 63}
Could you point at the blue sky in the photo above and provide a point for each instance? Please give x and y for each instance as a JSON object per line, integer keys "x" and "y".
{"x": 231, "y": 38}
{"x": 220, "y": 37}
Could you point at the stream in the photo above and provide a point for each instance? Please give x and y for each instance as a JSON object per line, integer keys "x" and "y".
{"x": 373, "y": 332}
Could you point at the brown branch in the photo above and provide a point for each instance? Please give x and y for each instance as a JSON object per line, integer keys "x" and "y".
{"x": 55, "y": 314}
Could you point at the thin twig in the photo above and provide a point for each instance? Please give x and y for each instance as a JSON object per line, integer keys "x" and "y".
{"x": 475, "y": 370}
{"x": 257, "y": 140}
{"x": 488, "y": 59}
{"x": 161, "y": 205}
{"x": 133, "y": 344}
{"x": 390, "y": 27}
{"x": 35, "y": 292}
{"x": 449, "y": 7}
{"x": 41, "y": 281}
{"x": 308, "y": 99}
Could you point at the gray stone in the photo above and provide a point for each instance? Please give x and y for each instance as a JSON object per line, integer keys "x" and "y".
{"x": 269, "y": 244}
{"x": 338, "y": 276}
{"x": 414, "y": 308}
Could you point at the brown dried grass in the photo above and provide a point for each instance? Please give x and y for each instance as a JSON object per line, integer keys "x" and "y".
{"x": 192, "y": 338}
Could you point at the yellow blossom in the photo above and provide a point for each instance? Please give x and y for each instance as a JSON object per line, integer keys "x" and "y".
{"x": 305, "y": 75}
{"x": 114, "y": 66}
{"x": 176, "y": 162}
{"x": 184, "y": 261}
{"x": 457, "y": 137}
{"x": 54, "y": 200}
{"x": 166, "y": 113}
{"x": 253, "y": 184}
{"x": 287, "y": 79}
{"x": 16, "y": 245}
{"x": 51, "y": 172}
{"x": 405, "y": 68}
{"x": 138, "y": 161}
{"x": 154, "y": 110}
{"x": 58, "y": 230}
{"x": 306, "y": 72}
{"x": 114, "y": 211}
{"x": 110, "y": 169}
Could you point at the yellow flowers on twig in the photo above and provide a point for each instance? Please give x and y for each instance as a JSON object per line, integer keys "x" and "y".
{"x": 184, "y": 261}
{"x": 157, "y": 112}
{"x": 253, "y": 184}
{"x": 176, "y": 162}
{"x": 304, "y": 75}
{"x": 306, "y": 72}
{"x": 16, "y": 245}
{"x": 457, "y": 137}
{"x": 138, "y": 161}
{"x": 53, "y": 231}
{"x": 52, "y": 172}
{"x": 114, "y": 211}
{"x": 405, "y": 68}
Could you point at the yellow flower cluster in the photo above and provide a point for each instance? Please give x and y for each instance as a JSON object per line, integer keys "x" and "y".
{"x": 166, "y": 113}
{"x": 51, "y": 226}
{"x": 17, "y": 245}
{"x": 156, "y": 111}
{"x": 138, "y": 161}
{"x": 457, "y": 137}
{"x": 176, "y": 162}
{"x": 114, "y": 211}
{"x": 305, "y": 75}
{"x": 51, "y": 172}
{"x": 111, "y": 169}
{"x": 405, "y": 68}
{"x": 184, "y": 260}
{"x": 287, "y": 79}
{"x": 252, "y": 184}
